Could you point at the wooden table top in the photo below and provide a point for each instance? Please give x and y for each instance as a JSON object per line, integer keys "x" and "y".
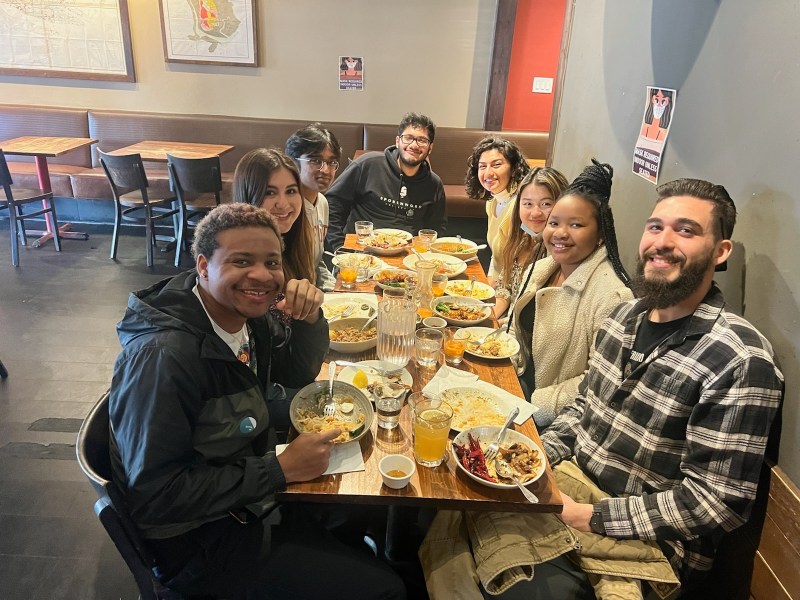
{"x": 42, "y": 145}
{"x": 442, "y": 487}
{"x": 157, "y": 151}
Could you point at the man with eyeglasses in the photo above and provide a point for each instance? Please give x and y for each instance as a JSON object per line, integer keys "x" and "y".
{"x": 317, "y": 153}
{"x": 395, "y": 188}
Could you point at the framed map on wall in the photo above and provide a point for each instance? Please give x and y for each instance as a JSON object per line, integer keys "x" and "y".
{"x": 76, "y": 39}
{"x": 209, "y": 32}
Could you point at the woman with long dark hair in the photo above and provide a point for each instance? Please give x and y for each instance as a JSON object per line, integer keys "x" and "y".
{"x": 269, "y": 179}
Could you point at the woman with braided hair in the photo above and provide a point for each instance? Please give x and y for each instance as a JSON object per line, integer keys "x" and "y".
{"x": 567, "y": 295}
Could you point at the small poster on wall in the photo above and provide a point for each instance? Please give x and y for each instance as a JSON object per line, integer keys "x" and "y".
{"x": 659, "y": 110}
{"x": 351, "y": 73}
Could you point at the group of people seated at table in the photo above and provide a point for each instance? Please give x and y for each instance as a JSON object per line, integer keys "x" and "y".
{"x": 653, "y": 399}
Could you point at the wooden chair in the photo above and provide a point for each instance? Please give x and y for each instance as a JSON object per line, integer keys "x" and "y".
{"x": 14, "y": 198}
{"x": 197, "y": 182}
{"x": 129, "y": 185}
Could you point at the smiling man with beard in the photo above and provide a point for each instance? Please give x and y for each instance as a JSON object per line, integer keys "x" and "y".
{"x": 395, "y": 188}
{"x": 669, "y": 428}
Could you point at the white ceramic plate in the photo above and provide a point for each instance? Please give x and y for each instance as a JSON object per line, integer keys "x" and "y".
{"x": 506, "y": 345}
{"x": 483, "y": 311}
{"x": 348, "y": 373}
{"x": 473, "y": 407}
{"x": 459, "y": 287}
{"x": 375, "y": 263}
{"x": 405, "y": 273}
{"x": 468, "y": 247}
{"x": 387, "y": 242}
{"x": 486, "y": 435}
{"x": 445, "y": 264}
{"x": 337, "y": 302}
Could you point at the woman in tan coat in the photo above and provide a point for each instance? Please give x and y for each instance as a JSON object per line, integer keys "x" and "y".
{"x": 567, "y": 295}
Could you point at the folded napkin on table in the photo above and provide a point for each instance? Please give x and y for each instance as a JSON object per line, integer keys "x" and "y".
{"x": 345, "y": 458}
{"x": 447, "y": 378}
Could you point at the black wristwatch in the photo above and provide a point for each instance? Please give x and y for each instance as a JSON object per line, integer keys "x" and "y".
{"x": 596, "y": 522}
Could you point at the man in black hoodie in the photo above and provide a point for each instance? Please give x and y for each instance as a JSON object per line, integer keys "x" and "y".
{"x": 395, "y": 188}
{"x": 192, "y": 442}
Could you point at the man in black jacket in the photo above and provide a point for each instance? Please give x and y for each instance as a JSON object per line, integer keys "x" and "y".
{"x": 192, "y": 447}
{"x": 395, "y": 188}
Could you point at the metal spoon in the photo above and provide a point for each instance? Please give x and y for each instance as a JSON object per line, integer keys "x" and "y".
{"x": 372, "y": 314}
{"x": 506, "y": 471}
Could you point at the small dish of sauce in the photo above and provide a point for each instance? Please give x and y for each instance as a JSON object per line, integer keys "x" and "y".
{"x": 396, "y": 473}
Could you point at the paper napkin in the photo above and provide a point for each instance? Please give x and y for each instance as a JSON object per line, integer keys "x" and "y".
{"x": 345, "y": 458}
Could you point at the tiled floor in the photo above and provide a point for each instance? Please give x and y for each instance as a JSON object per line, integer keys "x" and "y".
{"x": 57, "y": 339}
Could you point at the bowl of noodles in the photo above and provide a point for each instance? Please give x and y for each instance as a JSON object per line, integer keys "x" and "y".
{"x": 353, "y": 414}
{"x": 460, "y": 248}
{"x": 346, "y": 335}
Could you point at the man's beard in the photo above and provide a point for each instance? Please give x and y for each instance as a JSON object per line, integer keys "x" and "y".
{"x": 413, "y": 162}
{"x": 659, "y": 293}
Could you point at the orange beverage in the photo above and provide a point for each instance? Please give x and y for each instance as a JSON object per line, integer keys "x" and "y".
{"x": 431, "y": 428}
{"x": 424, "y": 312}
{"x": 438, "y": 285}
{"x": 454, "y": 346}
{"x": 420, "y": 243}
{"x": 348, "y": 274}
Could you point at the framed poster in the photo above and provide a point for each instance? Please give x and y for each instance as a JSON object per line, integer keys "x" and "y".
{"x": 351, "y": 73}
{"x": 209, "y": 32}
{"x": 75, "y": 39}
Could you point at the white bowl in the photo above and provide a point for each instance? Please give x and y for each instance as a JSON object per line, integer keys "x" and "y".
{"x": 434, "y": 322}
{"x": 469, "y": 247}
{"x": 401, "y": 463}
{"x": 451, "y": 266}
{"x": 404, "y": 273}
{"x": 353, "y": 347}
{"x": 400, "y": 238}
{"x": 483, "y": 311}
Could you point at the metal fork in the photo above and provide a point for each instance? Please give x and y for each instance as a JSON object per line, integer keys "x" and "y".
{"x": 492, "y": 449}
{"x": 345, "y": 313}
{"x": 487, "y": 337}
{"x": 330, "y": 406}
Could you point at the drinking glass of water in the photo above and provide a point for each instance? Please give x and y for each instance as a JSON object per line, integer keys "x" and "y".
{"x": 363, "y": 232}
{"x": 428, "y": 344}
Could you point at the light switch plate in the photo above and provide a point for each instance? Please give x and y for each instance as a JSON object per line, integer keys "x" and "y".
{"x": 542, "y": 85}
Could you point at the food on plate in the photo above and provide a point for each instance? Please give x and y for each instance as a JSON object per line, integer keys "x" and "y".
{"x": 347, "y": 417}
{"x": 360, "y": 260}
{"x": 444, "y": 268}
{"x": 473, "y": 459}
{"x": 472, "y": 408}
{"x": 392, "y": 277}
{"x": 352, "y": 334}
{"x": 388, "y": 241}
{"x": 333, "y": 311}
{"x": 495, "y": 347}
{"x": 462, "y": 312}
{"x": 453, "y": 247}
{"x": 461, "y": 288}
{"x": 517, "y": 461}
{"x": 360, "y": 379}
{"x": 388, "y": 387}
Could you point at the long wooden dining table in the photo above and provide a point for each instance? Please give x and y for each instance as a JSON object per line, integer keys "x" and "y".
{"x": 445, "y": 486}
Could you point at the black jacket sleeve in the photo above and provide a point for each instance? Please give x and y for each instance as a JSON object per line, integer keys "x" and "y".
{"x": 340, "y": 197}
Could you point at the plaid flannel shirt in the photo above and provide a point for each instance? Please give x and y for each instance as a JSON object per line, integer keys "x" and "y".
{"x": 678, "y": 442}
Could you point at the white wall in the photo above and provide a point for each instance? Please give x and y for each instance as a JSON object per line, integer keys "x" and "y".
{"x": 735, "y": 66}
{"x": 428, "y": 56}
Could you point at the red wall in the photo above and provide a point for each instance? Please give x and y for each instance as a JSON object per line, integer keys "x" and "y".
{"x": 534, "y": 53}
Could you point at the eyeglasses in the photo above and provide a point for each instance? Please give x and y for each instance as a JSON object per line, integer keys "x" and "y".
{"x": 318, "y": 163}
{"x": 422, "y": 142}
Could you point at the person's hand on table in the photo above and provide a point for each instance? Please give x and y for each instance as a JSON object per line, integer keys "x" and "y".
{"x": 307, "y": 456}
{"x": 302, "y": 300}
{"x": 576, "y": 515}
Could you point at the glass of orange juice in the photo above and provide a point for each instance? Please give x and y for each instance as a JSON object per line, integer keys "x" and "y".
{"x": 431, "y": 426}
{"x": 348, "y": 263}
{"x": 438, "y": 284}
{"x": 455, "y": 341}
{"x": 420, "y": 243}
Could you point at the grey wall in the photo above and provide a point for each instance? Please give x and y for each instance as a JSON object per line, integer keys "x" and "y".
{"x": 736, "y": 67}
